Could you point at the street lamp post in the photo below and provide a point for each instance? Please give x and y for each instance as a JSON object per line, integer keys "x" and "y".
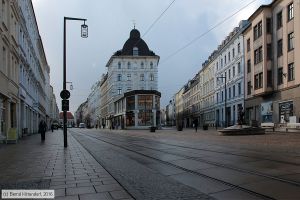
{"x": 84, "y": 34}
{"x": 224, "y": 77}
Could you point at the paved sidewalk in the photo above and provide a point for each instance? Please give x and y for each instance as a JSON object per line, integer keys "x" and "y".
{"x": 72, "y": 172}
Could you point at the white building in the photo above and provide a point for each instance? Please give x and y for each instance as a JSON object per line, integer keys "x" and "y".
{"x": 34, "y": 73}
{"x": 230, "y": 64}
{"x": 132, "y": 82}
{"x": 93, "y": 104}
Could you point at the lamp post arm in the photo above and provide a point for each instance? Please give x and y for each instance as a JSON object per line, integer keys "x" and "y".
{"x": 73, "y": 18}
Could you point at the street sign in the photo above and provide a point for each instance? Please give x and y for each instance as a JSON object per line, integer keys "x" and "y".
{"x": 65, "y": 105}
{"x": 65, "y": 94}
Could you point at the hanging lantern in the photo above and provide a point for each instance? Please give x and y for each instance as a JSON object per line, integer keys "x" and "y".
{"x": 84, "y": 30}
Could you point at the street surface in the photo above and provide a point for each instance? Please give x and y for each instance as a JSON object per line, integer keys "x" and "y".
{"x": 166, "y": 164}
{"x": 169, "y": 164}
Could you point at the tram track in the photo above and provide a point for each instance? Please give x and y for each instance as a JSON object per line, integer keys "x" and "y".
{"x": 113, "y": 142}
{"x": 252, "y": 172}
{"x": 215, "y": 151}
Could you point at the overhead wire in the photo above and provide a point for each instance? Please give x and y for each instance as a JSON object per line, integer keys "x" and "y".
{"x": 206, "y": 32}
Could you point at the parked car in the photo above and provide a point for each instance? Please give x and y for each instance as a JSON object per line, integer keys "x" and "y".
{"x": 81, "y": 125}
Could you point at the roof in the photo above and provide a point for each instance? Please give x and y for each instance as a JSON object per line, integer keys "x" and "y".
{"x": 135, "y": 40}
{"x": 69, "y": 115}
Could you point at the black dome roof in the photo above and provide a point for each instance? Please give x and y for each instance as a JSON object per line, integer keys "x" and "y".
{"x": 135, "y": 40}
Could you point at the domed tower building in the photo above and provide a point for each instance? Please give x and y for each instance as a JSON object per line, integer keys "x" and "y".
{"x": 132, "y": 82}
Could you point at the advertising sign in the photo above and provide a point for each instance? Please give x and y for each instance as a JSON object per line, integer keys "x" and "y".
{"x": 286, "y": 109}
{"x": 267, "y": 111}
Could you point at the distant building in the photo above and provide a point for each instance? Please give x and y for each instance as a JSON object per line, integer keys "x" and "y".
{"x": 129, "y": 90}
{"x": 70, "y": 119}
{"x": 230, "y": 64}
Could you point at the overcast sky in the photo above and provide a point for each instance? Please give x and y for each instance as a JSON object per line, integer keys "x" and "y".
{"x": 110, "y": 22}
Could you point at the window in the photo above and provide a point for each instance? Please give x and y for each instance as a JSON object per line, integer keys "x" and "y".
{"x": 249, "y": 88}
{"x": 128, "y": 65}
{"x": 233, "y": 91}
{"x": 151, "y": 65}
{"x": 248, "y": 66}
{"x": 119, "y": 77}
{"x": 128, "y": 77}
{"x": 142, "y": 77}
{"x": 291, "y": 41}
{"x": 119, "y": 90}
{"x": 279, "y": 48}
{"x": 239, "y": 47}
{"x": 269, "y": 78}
{"x": 239, "y": 89}
{"x": 233, "y": 71}
{"x": 142, "y": 65}
{"x": 258, "y": 78}
{"x": 222, "y": 96}
{"x": 229, "y": 56}
{"x": 229, "y": 73}
{"x": 280, "y": 76}
{"x": 151, "y": 77}
{"x": 135, "y": 51}
{"x": 248, "y": 45}
{"x": 257, "y": 30}
{"x": 279, "y": 20}
{"x": 225, "y": 59}
{"x": 258, "y": 55}
{"x": 290, "y": 11}
{"x": 269, "y": 25}
{"x": 239, "y": 67}
{"x": 229, "y": 93}
{"x": 119, "y": 65}
{"x": 269, "y": 51}
{"x": 233, "y": 53}
{"x": 291, "y": 72}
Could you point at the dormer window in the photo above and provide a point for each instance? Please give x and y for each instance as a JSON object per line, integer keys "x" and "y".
{"x": 135, "y": 51}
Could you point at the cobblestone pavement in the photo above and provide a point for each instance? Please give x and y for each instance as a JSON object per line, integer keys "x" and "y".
{"x": 72, "y": 172}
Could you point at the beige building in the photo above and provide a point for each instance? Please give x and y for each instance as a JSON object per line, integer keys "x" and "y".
{"x": 9, "y": 61}
{"x": 272, "y": 71}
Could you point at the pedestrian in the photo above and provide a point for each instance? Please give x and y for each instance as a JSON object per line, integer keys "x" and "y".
{"x": 42, "y": 130}
{"x": 195, "y": 124}
{"x": 52, "y": 127}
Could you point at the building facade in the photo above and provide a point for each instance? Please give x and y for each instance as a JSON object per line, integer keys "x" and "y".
{"x": 25, "y": 92}
{"x": 133, "y": 71}
{"x": 9, "y": 62}
{"x": 272, "y": 66}
{"x": 230, "y": 73}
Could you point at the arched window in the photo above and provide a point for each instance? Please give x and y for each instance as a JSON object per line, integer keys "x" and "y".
{"x": 135, "y": 51}
{"x": 151, "y": 77}
{"x": 128, "y": 65}
{"x": 142, "y": 65}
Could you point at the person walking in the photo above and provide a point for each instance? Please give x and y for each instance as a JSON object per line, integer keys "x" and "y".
{"x": 52, "y": 127}
{"x": 196, "y": 124}
{"x": 42, "y": 130}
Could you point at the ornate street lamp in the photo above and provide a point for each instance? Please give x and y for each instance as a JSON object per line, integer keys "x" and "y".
{"x": 84, "y": 30}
